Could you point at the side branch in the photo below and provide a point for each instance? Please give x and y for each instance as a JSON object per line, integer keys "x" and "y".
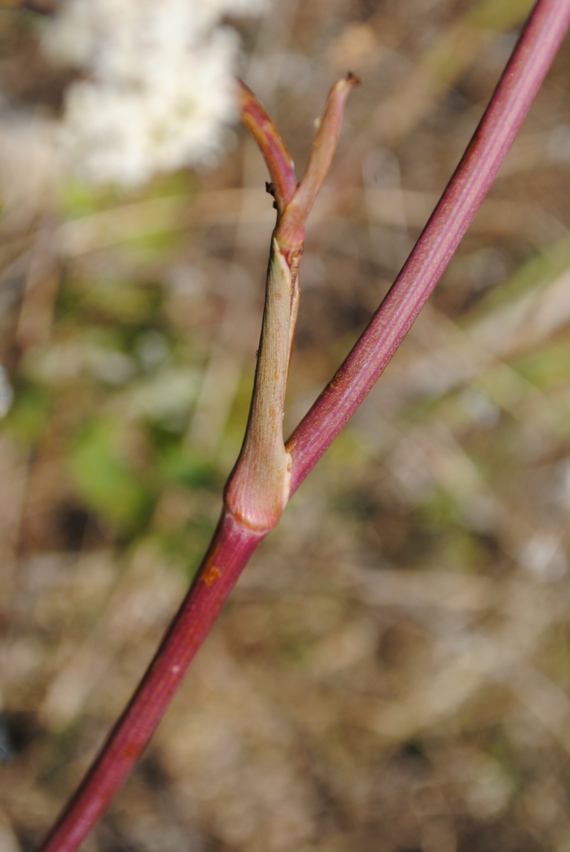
{"x": 274, "y": 150}
{"x": 258, "y": 488}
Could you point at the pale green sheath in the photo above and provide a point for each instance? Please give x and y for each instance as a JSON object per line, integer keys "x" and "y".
{"x": 259, "y": 487}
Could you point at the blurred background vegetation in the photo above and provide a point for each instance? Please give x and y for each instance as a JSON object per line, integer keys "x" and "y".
{"x": 392, "y": 672}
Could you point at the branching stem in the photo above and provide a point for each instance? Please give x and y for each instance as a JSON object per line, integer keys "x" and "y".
{"x": 245, "y": 522}
{"x": 258, "y": 488}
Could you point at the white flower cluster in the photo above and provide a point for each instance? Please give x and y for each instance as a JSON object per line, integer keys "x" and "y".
{"x": 158, "y": 88}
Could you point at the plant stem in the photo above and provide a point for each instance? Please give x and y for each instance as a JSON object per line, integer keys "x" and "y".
{"x": 234, "y": 542}
{"x": 231, "y": 547}
{"x": 274, "y": 150}
{"x": 539, "y": 42}
{"x": 258, "y": 487}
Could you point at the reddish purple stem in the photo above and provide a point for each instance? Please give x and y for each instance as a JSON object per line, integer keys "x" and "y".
{"x": 515, "y": 92}
{"x": 231, "y": 548}
{"x": 233, "y": 545}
